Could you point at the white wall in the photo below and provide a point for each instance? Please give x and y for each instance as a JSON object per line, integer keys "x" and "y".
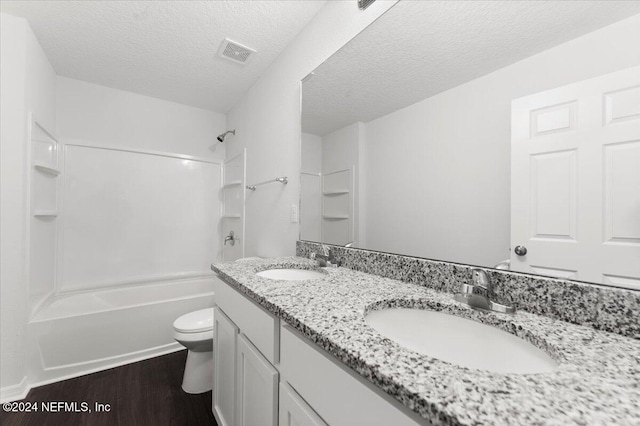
{"x": 442, "y": 166}
{"x": 27, "y": 84}
{"x": 85, "y": 112}
{"x": 133, "y": 218}
{"x": 341, "y": 150}
{"x": 311, "y": 156}
{"x": 310, "y": 187}
{"x": 267, "y": 120}
{"x": 98, "y": 115}
{"x": 112, "y": 117}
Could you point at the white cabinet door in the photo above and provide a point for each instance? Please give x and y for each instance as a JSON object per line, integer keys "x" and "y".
{"x": 294, "y": 411}
{"x": 575, "y": 187}
{"x": 256, "y": 387}
{"x": 225, "y": 335}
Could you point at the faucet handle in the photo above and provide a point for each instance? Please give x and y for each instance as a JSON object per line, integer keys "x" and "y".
{"x": 466, "y": 289}
{"x": 480, "y": 278}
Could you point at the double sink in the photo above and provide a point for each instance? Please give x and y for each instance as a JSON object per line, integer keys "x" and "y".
{"x": 444, "y": 336}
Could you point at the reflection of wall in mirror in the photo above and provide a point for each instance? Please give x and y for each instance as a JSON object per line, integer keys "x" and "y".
{"x": 436, "y": 175}
{"x": 451, "y": 153}
{"x": 340, "y": 160}
{"x": 330, "y": 185}
{"x": 310, "y": 188}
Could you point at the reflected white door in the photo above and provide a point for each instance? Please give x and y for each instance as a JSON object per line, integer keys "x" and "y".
{"x": 575, "y": 180}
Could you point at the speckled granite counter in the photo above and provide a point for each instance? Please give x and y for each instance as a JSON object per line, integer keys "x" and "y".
{"x": 597, "y": 380}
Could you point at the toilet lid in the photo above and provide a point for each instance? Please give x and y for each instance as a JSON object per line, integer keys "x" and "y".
{"x": 195, "y": 322}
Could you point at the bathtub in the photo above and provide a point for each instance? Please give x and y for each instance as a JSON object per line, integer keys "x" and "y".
{"x": 79, "y": 333}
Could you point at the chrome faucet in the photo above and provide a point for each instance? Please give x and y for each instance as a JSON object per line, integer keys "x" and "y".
{"x": 478, "y": 293}
{"x": 326, "y": 258}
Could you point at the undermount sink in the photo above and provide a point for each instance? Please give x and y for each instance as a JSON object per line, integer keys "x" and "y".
{"x": 291, "y": 274}
{"x": 460, "y": 341}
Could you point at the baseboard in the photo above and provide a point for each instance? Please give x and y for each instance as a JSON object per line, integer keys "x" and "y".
{"x": 14, "y": 392}
{"x": 59, "y": 374}
{"x": 20, "y": 391}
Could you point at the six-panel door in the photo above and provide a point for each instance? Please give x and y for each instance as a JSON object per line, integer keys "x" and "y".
{"x": 575, "y": 189}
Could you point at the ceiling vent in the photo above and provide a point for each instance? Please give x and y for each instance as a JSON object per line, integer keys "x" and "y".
{"x": 363, "y": 4}
{"x": 235, "y": 51}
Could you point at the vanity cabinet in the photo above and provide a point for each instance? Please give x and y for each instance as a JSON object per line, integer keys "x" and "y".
{"x": 245, "y": 382}
{"x": 338, "y": 395}
{"x": 265, "y": 373}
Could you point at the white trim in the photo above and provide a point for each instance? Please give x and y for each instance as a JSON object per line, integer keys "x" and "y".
{"x": 244, "y": 201}
{"x": 58, "y": 267}
{"x": 28, "y": 205}
{"x": 44, "y": 301}
{"x": 88, "y": 144}
{"x": 130, "y": 357}
{"x": 242, "y": 156}
{"x": 20, "y": 391}
{"x": 15, "y": 392}
{"x": 141, "y": 281}
{"x": 55, "y": 139}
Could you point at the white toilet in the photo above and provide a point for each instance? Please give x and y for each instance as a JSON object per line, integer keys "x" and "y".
{"x": 195, "y": 332}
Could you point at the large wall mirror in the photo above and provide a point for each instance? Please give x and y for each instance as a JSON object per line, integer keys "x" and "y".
{"x": 459, "y": 131}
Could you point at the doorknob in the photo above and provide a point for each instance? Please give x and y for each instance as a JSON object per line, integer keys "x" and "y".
{"x": 520, "y": 250}
{"x": 230, "y": 239}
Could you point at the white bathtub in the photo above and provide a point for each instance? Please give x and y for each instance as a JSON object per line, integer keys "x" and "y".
{"x": 79, "y": 333}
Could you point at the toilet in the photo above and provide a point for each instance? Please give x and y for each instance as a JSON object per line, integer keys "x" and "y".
{"x": 195, "y": 332}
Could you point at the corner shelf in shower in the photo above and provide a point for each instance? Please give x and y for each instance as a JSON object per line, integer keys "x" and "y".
{"x": 231, "y": 216}
{"x": 41, "y": 167}
{"x": 45, "y": 213}
{"x": 42, "y": 182}
{"x": 337, "y": 205}
{"x": 232, "y": 184}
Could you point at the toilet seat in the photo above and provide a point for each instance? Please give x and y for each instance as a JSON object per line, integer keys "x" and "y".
{"x": 195, "y": 322}
{"x": 201, "y": 336}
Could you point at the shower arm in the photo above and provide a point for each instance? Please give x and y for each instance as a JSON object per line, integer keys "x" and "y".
{"x": 282, "y": 180}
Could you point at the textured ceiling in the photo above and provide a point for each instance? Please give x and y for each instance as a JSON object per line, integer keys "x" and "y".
{"x": 421, "y": 48}
{"x": 164, "y": 49}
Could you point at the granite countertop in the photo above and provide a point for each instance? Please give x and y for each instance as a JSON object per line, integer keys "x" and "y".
{"x": 597, "y": 380}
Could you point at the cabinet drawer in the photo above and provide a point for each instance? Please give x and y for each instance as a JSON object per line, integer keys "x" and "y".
{"x": 336, "y": 393}
{"x": 259, "y": 325}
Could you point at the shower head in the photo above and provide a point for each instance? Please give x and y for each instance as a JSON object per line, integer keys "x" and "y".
{"x": 222, "y": 136}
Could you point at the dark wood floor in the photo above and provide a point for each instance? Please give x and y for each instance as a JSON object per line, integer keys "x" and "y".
{"x": 143, "y": 393}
